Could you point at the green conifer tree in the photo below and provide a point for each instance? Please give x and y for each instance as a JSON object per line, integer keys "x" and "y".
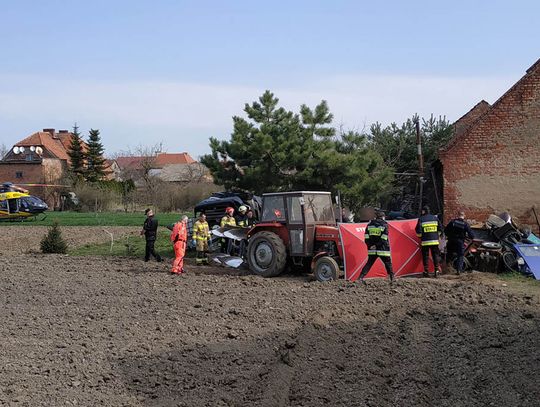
{"x": 95, "y": 163}
{"x": 53, "y": 242}
{"x": 76, "y": 153}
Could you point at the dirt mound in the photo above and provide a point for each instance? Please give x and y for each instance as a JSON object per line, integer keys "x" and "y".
{"x": 96, "y": 331}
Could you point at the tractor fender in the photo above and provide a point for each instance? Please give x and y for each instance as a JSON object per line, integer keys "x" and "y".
{"x": 316, "y": 257}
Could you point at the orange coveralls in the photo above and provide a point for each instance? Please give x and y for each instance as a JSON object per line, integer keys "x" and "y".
{"x": 179, "y": 238}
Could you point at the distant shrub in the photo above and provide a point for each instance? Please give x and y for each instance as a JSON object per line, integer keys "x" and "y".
{"x": 97, "y": 197}
{"x": 53, "y": 241}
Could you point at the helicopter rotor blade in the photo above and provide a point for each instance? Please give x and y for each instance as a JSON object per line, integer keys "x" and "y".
{"x": 44, "y": 185}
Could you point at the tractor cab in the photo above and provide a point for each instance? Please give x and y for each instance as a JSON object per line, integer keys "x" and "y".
{"x": 301, "y": 213}
{"x": 296, "y": 227}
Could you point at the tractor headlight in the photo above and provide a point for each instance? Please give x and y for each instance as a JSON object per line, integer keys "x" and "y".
{"x": 520, "y": 261}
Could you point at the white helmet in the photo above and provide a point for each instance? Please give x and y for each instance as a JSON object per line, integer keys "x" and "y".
{"x": 242, "y": 209}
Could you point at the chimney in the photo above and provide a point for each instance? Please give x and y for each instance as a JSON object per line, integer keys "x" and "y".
{"x": 63, "y": 131}
{"x": 50, "y": 131}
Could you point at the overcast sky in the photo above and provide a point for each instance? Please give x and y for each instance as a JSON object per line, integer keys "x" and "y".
{"x": 145, "y": 72}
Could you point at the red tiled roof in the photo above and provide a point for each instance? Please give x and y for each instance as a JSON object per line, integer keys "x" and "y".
{"x": 173, "y": 158}
{"x": 58, "y": 145}
{"x": 161, "y": 159}
{"x": 47, "y": 142}
{"x": 129, "y": 162}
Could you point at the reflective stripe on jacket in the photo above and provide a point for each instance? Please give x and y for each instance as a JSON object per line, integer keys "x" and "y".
{"x": 201, "y": 231}
{"x": 241, "y": 220}
{"x": 428, "y": 229}
{"x": 227, "y": 220}
{"x": 376, "y": 231}
{"x": 377, "y": 235}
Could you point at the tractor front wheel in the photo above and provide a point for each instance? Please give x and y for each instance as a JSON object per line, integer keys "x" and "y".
{"x": 326, "y": 269}
{"x": 266, "y": 254}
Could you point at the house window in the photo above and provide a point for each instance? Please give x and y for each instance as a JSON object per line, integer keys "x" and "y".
{"x": 18, "y": 174}
{"x": 29, "y": 157}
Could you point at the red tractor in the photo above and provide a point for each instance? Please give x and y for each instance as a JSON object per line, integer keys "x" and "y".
{"x": 297, "y": 229}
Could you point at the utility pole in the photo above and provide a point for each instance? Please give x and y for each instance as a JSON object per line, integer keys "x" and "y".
{"x": 420, "y": 164}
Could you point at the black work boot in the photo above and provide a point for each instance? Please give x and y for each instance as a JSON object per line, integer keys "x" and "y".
{"x": 425, "y": 274}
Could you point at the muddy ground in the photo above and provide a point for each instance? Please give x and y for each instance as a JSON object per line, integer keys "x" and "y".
{"x": 121, "y": 332}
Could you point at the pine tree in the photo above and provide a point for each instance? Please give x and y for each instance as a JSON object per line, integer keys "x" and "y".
{"x": 95, "y": 163}
{"x": 76, "y": 153}
{"x": 278, "y": 150}
{"x": 53, "y": 241}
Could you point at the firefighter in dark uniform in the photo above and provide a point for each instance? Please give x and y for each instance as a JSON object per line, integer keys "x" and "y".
{"x": 149, "y": 231}
{"x": 456, "y": 231}
{"x": 428, "y": 229}
{"x": 242, "y": 219}
{"x": 376, "y": 239}
{"x": 250, "y": 218}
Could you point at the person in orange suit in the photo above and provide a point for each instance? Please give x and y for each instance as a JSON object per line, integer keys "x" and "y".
{"x": 179, "y": 240}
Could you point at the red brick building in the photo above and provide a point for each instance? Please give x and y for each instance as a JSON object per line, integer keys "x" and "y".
{"x": 492, "y": 164}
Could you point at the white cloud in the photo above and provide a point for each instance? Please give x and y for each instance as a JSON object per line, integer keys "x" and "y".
{"x": 184, "y": 115}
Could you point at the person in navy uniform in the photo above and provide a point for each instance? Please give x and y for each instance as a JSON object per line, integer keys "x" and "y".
{"x": 456, "y": 232}
{"x": 429, "y": 229}
{"x": 376, "y": 239}
{"x": 149, "y": 231}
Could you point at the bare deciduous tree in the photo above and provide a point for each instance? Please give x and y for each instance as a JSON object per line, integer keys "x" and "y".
{"x": 3, "y": 151}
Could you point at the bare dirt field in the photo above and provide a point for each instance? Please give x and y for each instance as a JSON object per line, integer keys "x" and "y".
{"x": 120, "y": 332}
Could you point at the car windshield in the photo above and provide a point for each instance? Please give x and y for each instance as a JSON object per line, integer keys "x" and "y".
{"x": 531, "y": 251}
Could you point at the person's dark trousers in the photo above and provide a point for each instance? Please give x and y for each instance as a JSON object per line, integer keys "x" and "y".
{"x": 456, "y": 250}
{"x": 387, "y": 261}
{"x": 150, "y": 251}
{"x": 435, "y": 253}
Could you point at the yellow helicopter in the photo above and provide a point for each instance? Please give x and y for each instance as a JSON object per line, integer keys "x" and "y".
{"x": 17, "y": 203}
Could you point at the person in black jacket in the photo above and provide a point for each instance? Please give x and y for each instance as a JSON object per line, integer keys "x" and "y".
{"x": 428, "y": 229}
{"x": 149, "y": 231}
{"x": 456, "y": 231}
{"x": 376, "y": 239}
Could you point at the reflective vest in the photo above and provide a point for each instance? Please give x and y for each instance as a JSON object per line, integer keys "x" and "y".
{"x": 428, "y": 229}
{"x": 377, "y": 235}
{"x": 201, "y": 230}
{"x": 242, "y": 221}
{"x": 227, "y": 220}
{"x": 179, "y": 232}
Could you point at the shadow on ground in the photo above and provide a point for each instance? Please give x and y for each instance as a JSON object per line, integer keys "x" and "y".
{"x": 423, "y": 358}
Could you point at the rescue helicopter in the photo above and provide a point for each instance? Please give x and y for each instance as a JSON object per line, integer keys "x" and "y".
{"x": 17, "y": 203}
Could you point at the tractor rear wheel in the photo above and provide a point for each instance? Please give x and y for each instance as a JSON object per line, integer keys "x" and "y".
{"x": 326, "y": 269}
{"x": 266, "y": 254}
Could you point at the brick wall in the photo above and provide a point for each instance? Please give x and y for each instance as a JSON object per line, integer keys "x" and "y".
{"x": 31, "y": 172}
{"x": 494, "y": 165}
{"x": 49, "y": 171}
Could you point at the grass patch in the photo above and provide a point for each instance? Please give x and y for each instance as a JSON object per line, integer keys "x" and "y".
{"x": 94, "y": 219}
{"x": 132, "y": 246}
{"x": 519, "y": 278}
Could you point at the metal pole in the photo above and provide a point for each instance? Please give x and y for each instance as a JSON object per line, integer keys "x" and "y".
{"x": 420, "y": 164}
{"x": 339, "y": 206}
{"x": 536, "y": 216}
{"x": 439, "y": 207}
